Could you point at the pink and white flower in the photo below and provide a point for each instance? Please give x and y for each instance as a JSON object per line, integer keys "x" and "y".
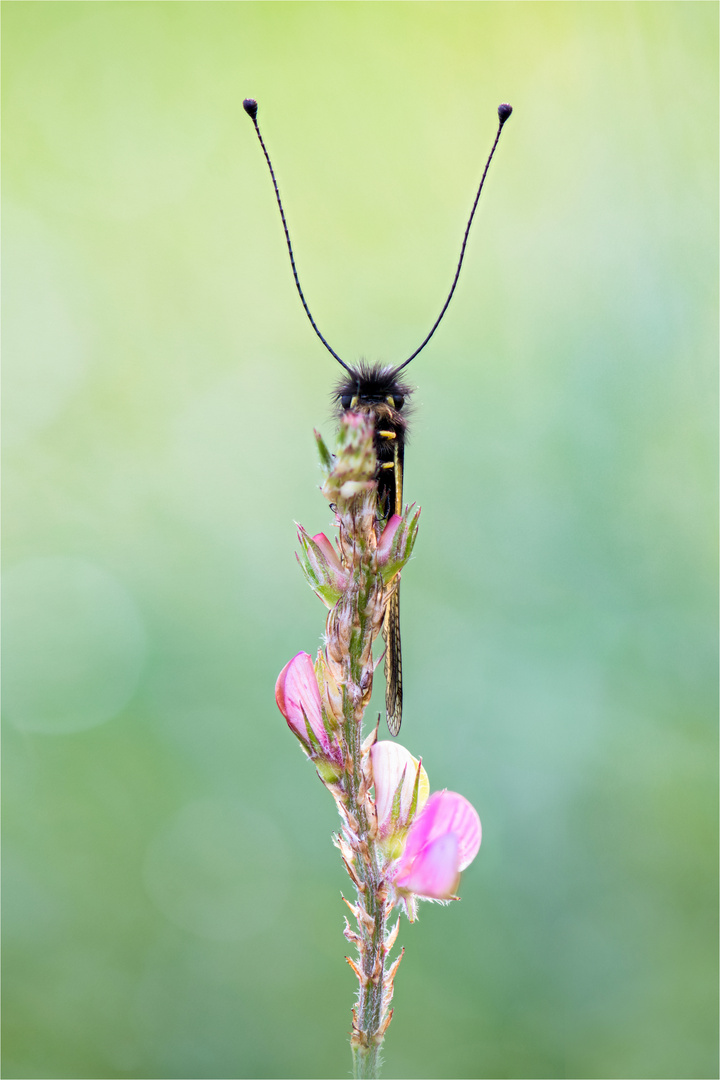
{"x": 442, "y": 842}
{"x": 298, "y": 699}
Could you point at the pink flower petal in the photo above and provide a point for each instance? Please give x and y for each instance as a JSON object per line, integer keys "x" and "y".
{"x": 387, "y": 537}
{"x": 434, "y": 874}
{"x": 446, "y": 812}
{"x": 448, "y": 825}
{"x": 297, "y": 697}
{"x": 329, "y": 552}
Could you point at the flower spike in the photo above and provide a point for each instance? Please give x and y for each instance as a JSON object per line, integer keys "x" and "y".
{"x": 399, "y": 844}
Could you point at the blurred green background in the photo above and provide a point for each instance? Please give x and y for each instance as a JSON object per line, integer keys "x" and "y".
{"x": 172, "y": 899}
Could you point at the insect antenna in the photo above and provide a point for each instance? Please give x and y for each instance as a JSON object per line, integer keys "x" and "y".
{"x": 251, "y": 107}
{"x": 504, "y": 112}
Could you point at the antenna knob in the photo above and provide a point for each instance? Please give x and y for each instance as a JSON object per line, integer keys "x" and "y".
{"x": 503, "y": 112}
{"x": 250, "y": 107}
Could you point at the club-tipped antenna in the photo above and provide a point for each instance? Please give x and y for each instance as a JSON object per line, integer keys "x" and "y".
{"x": 504, "y": 112}
{"x": 250, "y": 106}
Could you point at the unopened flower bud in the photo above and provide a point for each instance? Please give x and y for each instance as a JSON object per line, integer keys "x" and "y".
{"x": 386, "y": 539}
{"x": 353, "y": 470}
{"x": 298, "y": 698}
{"x": 396, "y": 542}
{"x": 322, "y": 567}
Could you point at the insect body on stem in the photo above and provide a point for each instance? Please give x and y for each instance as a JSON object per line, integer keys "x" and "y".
{"x": 378, "y": 390}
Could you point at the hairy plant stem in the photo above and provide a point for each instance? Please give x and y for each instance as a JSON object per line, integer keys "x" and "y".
{"x": 364, "y": 605}
{"x": 353, "y": 624}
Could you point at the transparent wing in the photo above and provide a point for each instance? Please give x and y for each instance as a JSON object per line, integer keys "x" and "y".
{"x": 393, "y": 663}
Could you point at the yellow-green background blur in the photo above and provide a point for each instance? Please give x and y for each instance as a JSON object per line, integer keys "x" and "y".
{"x": 172, "y": 899}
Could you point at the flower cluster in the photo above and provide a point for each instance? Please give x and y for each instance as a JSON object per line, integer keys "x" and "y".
{"x": 400, "y": 844}
{"x": 424, "y": 843}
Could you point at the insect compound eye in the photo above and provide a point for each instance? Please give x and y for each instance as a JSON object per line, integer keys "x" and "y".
{"x": 399, "y": 401}
{"x": 346, "y": 400}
